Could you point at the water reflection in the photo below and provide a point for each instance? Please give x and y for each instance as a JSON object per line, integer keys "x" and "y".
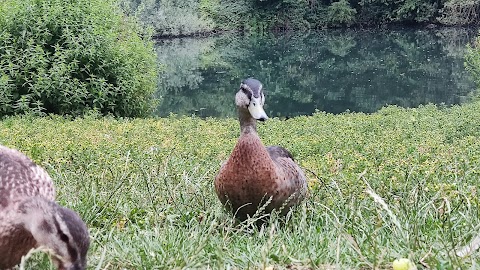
{"x": 332, "y": 71}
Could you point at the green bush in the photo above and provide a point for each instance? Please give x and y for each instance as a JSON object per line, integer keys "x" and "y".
{"x": 460, "y": 12}
{"x": 256, "y": 16}
{"x": 416, "y": 11}
{"x": 340, "y": 13}
{"x": 170, "y": 18}
{"x": 230, "y": 14}
{"x": 68, "y": 57}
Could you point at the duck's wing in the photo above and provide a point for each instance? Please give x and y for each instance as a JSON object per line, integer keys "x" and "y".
{"x": 276, "y": 152}
{"x": 293, "y": 173}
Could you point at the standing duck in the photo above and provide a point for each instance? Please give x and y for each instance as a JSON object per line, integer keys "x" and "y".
{"x": 254, "y": 175}
{"x": 30, "y": 218}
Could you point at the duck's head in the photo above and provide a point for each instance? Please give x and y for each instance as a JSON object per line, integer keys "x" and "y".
{"x": 59, "y": 230}
{"x": 250, "y": 99}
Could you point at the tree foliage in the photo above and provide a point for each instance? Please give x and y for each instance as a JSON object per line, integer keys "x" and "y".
{"x": 460, "y": 12}
{"x": 340, "y": 13}
{"x": 170, "y": 17}
{"x": 71, "y": 56}
{"x": 196, "y": 16}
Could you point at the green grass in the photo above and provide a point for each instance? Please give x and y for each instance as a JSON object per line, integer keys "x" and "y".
{"x": 397, "y": 183}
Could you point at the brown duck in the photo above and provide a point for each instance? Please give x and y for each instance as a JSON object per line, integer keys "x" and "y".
{"x": 255, "y": 174}
{"x": 30, "y": 218}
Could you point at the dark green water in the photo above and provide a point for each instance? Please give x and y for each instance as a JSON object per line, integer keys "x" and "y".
{"x": 333, "y": 71}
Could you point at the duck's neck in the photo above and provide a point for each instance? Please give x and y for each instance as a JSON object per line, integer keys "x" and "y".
{"x": 248, "y": 124}
{"x": 37, "y": 217}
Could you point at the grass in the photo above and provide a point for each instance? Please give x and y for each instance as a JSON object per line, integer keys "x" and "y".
{"x": 397, "y": 183}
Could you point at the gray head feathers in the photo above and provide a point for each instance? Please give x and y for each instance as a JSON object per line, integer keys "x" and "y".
{"x": 251, "y": 97}
{"x": 252, "y": 86}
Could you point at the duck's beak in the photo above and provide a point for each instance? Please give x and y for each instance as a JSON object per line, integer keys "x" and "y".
{"x": 256, "y": 109}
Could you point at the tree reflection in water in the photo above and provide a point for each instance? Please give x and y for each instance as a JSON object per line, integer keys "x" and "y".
{"x": 333, "y": 71}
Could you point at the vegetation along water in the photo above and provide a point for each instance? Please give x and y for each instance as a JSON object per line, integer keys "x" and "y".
{"x": 77, "y": 80}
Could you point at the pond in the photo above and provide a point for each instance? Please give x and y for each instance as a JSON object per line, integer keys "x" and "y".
{"x": 332, "y": 71}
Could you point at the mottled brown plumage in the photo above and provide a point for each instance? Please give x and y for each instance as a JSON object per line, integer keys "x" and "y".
{"x": 30, "y": 218}
{"x": 254, "y": 174}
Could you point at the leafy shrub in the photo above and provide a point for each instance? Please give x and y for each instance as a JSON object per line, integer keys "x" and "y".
{"x": 256, "y": 16}
{"x": 170, "y": 18}
{"x": 340, "y": 13}
{"x": 289, "y": 14}
{"x": 229, "y": 14}
{"x": 68, "y": 57}
{"x": 416, "y": 11}
{"x": 460, "y": 12}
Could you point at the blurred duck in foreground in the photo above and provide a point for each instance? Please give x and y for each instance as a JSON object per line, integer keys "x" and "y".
{"x": 31, "y": 219}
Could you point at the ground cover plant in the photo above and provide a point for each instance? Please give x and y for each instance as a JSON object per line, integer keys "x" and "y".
{"x": 396, "y": 183}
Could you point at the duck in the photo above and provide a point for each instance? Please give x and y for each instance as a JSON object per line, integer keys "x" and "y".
{"x": 256, "y": 177}
{"x": 30, "y": 219}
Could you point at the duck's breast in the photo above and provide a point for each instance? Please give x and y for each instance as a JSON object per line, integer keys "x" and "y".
{"x": 249, "y": 173}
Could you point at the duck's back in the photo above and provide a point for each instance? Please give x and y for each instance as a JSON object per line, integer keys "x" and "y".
{"x": 21, "y": 177}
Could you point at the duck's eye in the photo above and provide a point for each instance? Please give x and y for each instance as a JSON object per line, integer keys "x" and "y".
{"x": 254, "y": 104}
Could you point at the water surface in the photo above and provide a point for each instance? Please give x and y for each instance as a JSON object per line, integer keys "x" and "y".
{"x": 333, "y": 71}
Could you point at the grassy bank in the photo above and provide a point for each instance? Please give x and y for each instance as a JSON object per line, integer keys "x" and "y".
{"x": 397, "y": 183}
